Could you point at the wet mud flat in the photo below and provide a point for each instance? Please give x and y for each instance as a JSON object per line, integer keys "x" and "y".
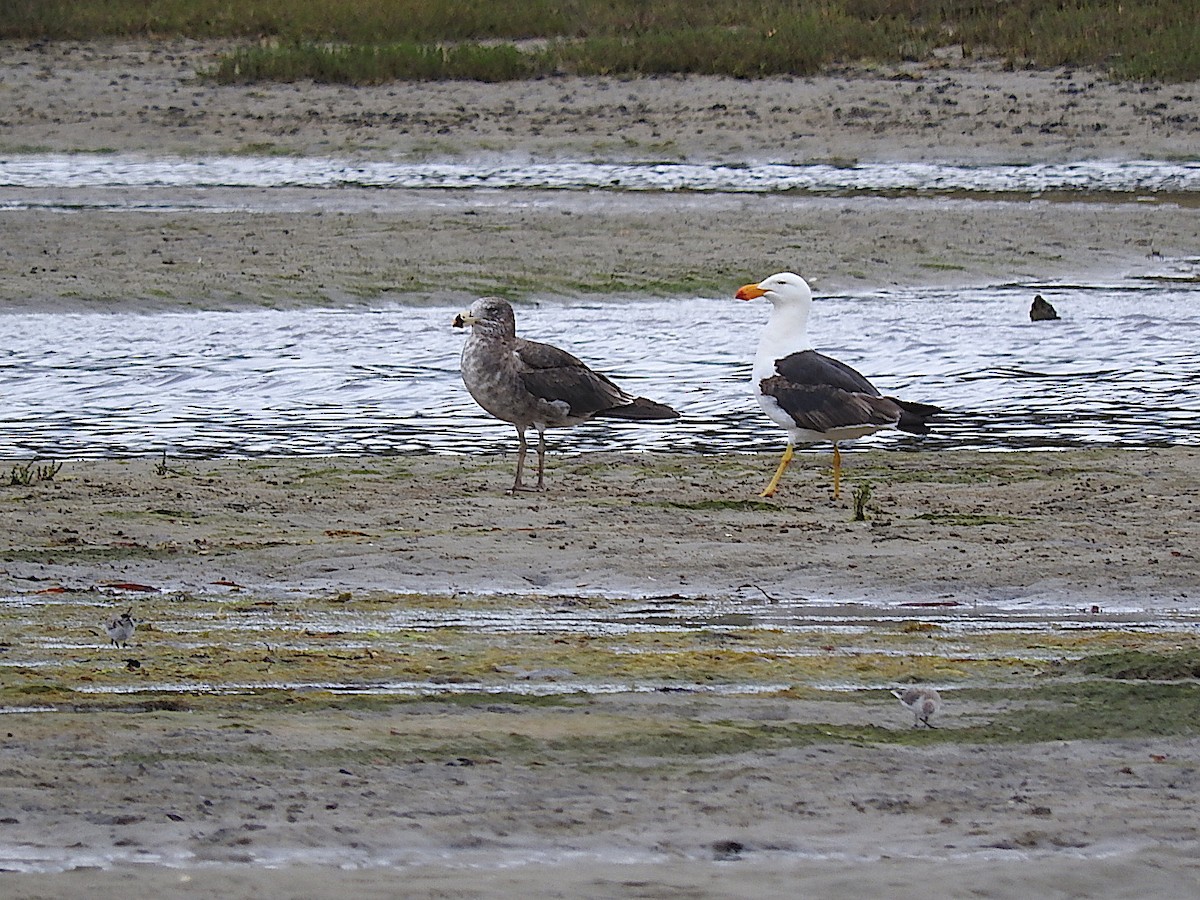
{"x": 354, "y": 247}
{"x": 1041, "y": 531}
{"x": 345, "y": 674}
{"x": 226, "y": 750}
{"x": 233, "y": 247}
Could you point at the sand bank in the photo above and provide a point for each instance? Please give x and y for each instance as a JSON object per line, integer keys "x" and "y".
{"x": 355, "y": 246}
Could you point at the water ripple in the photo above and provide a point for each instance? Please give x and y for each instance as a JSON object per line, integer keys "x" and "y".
{"x": 74, "y": 171}
{"x": 1119, "y": 369}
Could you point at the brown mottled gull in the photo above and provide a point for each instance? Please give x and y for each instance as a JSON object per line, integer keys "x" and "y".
{"x": 814, "y": 397}
{"x": 529, "y": 383}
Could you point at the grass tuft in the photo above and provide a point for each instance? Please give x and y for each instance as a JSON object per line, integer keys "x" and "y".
{"x": 25, "y": 474}
{"x": 861, "y": 496}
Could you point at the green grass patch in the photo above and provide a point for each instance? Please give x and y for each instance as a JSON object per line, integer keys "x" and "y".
{"x": 369, "y": 41}
{"x": 326, "y": 472}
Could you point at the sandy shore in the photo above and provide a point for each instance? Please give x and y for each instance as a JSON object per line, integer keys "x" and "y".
{"x": 354, "y": 246}
{"x": 1080, "y": 528}
{"x": 734, "y": 743}
{"x": 453, "y": 247}
{"x": 134, "y": 97}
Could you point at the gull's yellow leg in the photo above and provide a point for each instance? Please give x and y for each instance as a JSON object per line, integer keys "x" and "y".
{"x": 837, "y": 471}
{"x": 770, "y": 489}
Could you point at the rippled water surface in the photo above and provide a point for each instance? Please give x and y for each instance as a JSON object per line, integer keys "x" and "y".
{"x": 1121, "y": 368}
{"x": 80, "y": 171}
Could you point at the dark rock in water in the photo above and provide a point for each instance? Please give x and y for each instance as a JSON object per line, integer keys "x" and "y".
{"x": 1041, "y": 311}
{"x": 727, "y": 851}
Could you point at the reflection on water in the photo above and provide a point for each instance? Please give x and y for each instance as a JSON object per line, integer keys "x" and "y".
{"x": 1120, "y": 368}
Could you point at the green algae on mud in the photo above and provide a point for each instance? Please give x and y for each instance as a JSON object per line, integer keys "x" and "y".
{"x": 245, "y": 654}
{"x": 523, "y": 729}
{"x": 1083, "y": 710}
{"x": 1141, "y": 664}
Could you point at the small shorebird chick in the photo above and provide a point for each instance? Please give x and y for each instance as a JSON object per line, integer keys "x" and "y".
{"x": 924, "y": 703}
{"x": 120, "y": 628}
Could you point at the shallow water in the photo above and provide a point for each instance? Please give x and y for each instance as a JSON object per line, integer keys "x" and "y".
{"x": 482, "y": 861}
{"x": 1120, "y": 368}
{"x": 333, "y": 646}
{"x": 131, "y": 171}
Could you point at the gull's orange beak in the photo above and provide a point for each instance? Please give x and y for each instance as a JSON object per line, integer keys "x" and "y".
{"x": 750, "y": 292}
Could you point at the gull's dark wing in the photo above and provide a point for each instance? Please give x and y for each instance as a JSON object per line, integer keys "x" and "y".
{"x": 815, "y": 369}
{"x": 555, "y": 375}
{"x": 822, "y": 408}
